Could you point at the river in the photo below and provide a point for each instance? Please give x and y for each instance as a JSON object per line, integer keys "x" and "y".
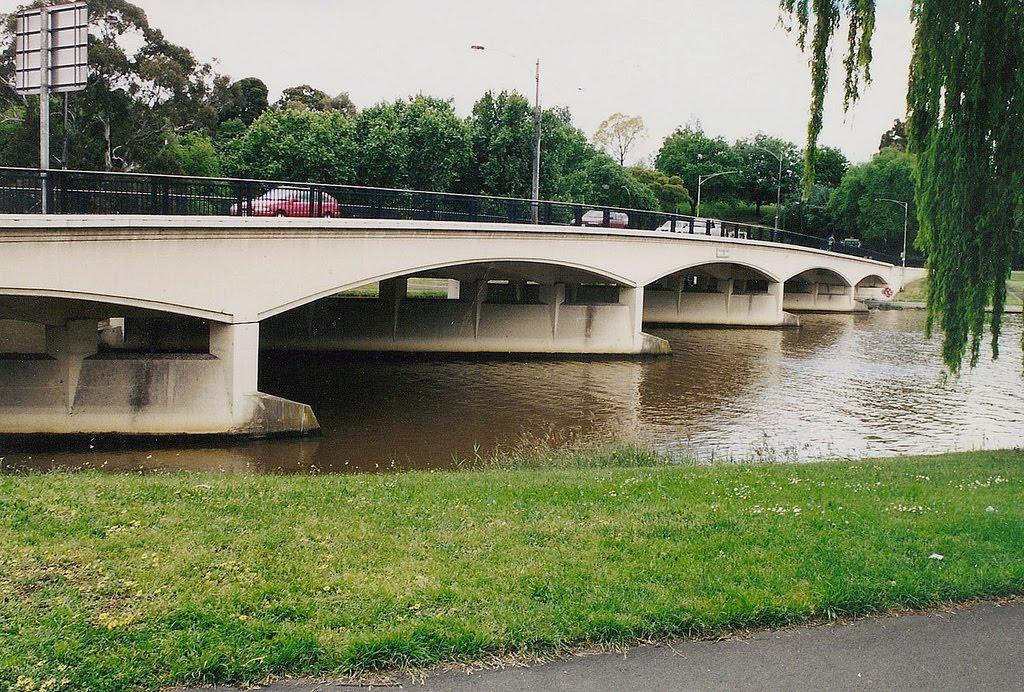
{"x": 841, "y": 386}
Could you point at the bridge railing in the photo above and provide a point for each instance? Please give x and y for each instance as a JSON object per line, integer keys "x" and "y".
{"x": 92, "y": 192}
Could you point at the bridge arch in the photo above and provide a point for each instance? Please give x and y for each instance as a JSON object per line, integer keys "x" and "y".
{"x": 490, "y": 305}
{"x": 873, "y": 287}
{"x": 545, "y": 272}
{"x": 820, "y": 275}
{"x": 819, "y": 289}
{"x": 717, "y": 266}
{"x": 716, "y": 292}
{"x": 53, "y": 305}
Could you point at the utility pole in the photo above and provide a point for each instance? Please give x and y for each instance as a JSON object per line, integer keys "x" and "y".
{"x": 536, "y": 149}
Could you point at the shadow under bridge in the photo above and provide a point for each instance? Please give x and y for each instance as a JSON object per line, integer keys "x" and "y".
{"x": 499, "y": 306}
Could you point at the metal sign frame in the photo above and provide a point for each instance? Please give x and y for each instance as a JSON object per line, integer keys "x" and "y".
{"x": 68, "y": 43}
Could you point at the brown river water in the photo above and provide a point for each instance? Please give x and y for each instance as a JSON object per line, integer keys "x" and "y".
{"x": 841, "y": 386}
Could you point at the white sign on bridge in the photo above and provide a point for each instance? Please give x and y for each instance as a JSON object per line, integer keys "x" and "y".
{"x": 56, "y": 36}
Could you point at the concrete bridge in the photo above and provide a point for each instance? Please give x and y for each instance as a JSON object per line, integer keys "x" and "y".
{"x": 153, "y": 325}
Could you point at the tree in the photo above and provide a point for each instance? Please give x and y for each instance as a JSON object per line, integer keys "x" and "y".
{"x": 618, "y": 133}
{"x": 896, "y": 137}
{"x": 302, "y": 146}
{"x": 826, "y": 16}
{"x": 810, "y": 216}
{"x": 227, "y": 131}
{"x": 966, "y": 104}
{"x": 669, "y": 190}
{"x": 758, "y": 176}
{"x": 304, "y": 98}
{"x": 342, "y": 102}
{"x": 855, "y": 207}
{"x": 830, "y": 167}
{"x": 689, "y": 153}
{"x": 19, "y": 135}
{"x": 245, "y": 100}
{"x": 565, "y": 153}
{"x": 419, "y": 144}
{"x": 572, "y": 170}
{"x": 609, "y": 184}
{"x": 142, "y": 90}
{"x": 194, "y": 154}
{"x": 501, "y": 128}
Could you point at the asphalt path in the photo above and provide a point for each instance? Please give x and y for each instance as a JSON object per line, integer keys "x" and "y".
{"x": 967, "y": 648}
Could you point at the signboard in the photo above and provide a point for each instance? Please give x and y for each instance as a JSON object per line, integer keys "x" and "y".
{"x": 66, "y": 42}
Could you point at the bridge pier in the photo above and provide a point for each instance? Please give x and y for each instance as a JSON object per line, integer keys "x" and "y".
{"x": 68, "y": 385}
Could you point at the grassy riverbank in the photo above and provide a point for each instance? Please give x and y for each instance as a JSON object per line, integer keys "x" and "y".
{"x": 917, "y": 291}
{"x": 127, "y": 581}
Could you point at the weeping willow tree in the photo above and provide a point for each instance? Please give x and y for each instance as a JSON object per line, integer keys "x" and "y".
{"x": 965, "y": 102}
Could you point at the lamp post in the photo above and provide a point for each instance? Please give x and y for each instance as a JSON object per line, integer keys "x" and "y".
{"x": 905, "y": 206}
{"x": 778, "y": 187}
{"x": 535, "y": 187}
{"x": 700, "y": 182}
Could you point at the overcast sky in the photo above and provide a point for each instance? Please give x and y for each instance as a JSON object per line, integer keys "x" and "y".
{"x": 727, "y": 63}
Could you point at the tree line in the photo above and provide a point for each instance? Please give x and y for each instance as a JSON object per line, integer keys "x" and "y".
{"x": 150, "y": 106}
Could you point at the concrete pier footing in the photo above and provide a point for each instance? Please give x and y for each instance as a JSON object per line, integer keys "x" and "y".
{"x": 69, "y": 387}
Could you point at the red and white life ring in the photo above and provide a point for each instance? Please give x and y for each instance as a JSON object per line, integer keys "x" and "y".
{"x": 887, "y": 292}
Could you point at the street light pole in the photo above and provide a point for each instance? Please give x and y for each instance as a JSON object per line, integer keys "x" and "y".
{"x": 535, "y": 186}
{"x": 778, "y": 187}
{"x": 905, "y": 206}
{"x": 700, "y": 182}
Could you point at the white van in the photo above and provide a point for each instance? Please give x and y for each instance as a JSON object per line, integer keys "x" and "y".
{"x": 700, "y": 227}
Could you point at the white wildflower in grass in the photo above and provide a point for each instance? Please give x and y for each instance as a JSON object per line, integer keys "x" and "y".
{"x": 909, "y": 509}
{"x": 977, "y": 484}
{"x": 741, "y": 491}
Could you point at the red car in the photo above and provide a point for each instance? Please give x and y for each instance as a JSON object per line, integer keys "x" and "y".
{"x": 283, "y": 201}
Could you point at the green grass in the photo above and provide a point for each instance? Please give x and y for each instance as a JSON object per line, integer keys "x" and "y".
{"x": 143, "y": 581}
{"x": 417, "y": 288}
{"x": 917, "y": 291}
{"x": 914, "y": 292}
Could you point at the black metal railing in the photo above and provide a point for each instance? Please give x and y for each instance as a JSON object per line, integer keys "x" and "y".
{"x": 90, "y": 192}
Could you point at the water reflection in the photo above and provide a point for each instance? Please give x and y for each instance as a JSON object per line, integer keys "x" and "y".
{"x": 840, "y": 386}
